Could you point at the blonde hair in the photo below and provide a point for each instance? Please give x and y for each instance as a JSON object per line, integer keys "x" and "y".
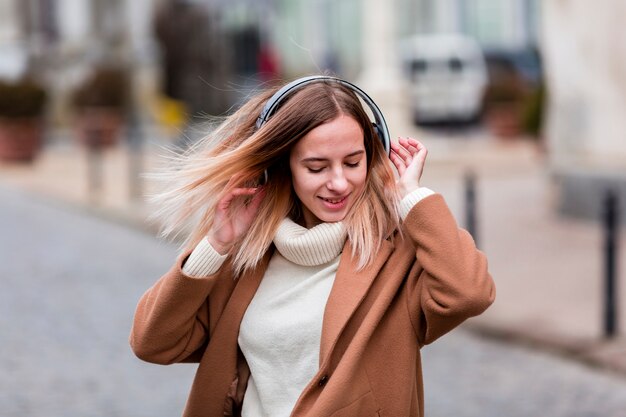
{"x": 238, "y": 153}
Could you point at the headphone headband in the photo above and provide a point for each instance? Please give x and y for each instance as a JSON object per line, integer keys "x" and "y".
{"x": 380, "y": 126}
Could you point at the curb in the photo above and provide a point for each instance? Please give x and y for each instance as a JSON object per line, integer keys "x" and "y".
{"x": 605, "y": 355}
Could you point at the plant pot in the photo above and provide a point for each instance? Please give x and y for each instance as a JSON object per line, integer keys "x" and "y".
{"x": 20, "y": 139}
{"x": 99, "y": 127}
{"x": 504, "y": 120}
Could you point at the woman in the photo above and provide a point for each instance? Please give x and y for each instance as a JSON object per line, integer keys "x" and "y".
{"x": 313, "y": 277}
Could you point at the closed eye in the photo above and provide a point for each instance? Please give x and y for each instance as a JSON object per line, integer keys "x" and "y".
{"x": 356, "y": 164}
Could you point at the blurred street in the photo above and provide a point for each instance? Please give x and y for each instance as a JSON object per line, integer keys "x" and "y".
{"x": 66, "y": 320}
{"x": 521, "y": 106}
{"x": 466, "y": 376}
{"x": 73, "y": 282}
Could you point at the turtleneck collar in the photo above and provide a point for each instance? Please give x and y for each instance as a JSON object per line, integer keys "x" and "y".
{"x": 310, "y": 247}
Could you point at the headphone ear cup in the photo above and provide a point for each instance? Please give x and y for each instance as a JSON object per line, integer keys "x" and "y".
{"x": 377, "y": 130}
{"x": 381, "y": 136}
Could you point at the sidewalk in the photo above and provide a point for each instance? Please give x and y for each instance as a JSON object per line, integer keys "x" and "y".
{"x": 548, "y": 269}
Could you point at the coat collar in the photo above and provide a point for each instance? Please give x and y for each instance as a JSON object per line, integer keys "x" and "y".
{"x": 349, "y": 289}
{"x": 244, "y": 291}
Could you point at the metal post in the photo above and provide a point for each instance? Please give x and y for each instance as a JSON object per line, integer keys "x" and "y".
{"x": 611, "y": 225}
{"x": 470, "y": 204}
{"x": 134, "y": 131}
{"x": 94, "y": 163}
{"x": 135, "y": 160}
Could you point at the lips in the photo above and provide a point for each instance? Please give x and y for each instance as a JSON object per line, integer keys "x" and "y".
{"x": 336, "y": 203}
{"x": 334, "y": 200}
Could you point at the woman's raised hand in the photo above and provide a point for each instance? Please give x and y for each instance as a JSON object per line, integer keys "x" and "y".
{"x": 408, "y": 156}
{"x": 231, "y": 221}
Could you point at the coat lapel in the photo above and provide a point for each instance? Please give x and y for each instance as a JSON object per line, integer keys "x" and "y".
{"x": 349, "y": 289}
{"x": 244, "y": 292}
{"x": 220, "y": 357}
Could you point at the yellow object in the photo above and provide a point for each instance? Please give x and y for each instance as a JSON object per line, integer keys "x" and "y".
{"x": 171, "y": 113}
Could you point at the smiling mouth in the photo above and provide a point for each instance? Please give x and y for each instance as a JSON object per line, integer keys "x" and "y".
{"x": 334, "y": 200}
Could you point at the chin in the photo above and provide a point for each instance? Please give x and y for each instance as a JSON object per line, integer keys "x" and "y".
{"x": 332, "y": 217}
{"x": 320, "y": 215}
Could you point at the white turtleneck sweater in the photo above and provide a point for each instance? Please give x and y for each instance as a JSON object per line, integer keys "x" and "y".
{"x": 281, "y": 330}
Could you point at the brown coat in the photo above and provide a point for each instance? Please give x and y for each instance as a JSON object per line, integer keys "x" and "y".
{"x": 375, "y": 321}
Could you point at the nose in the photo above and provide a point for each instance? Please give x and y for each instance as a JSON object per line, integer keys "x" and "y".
{"x": 338, "y": 182}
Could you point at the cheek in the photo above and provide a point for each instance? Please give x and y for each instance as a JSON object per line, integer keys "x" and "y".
{"x": 359, "y": 178}
{"x": 303, "y": 184}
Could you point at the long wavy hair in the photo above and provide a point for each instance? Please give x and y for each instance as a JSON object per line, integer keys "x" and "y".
{"x": 237, "y": 154}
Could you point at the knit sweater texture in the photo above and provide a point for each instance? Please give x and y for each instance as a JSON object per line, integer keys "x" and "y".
{"x": 281, "y": 330}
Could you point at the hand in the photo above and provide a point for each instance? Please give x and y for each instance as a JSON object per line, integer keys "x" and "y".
{"x": 408, "y": 156}
{"x": 231, "y": 221}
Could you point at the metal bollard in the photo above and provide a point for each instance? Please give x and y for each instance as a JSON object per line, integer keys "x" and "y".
{"x": 611, "y": 229}
{"x": 470, "y": 205}
{"x": 135, "y": 149}
{"x": 94, "y": 164}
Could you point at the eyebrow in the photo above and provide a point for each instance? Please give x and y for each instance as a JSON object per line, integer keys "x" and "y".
{"x": 316, "y": 159}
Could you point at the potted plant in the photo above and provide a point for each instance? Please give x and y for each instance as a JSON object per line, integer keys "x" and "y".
{"x": 100, "y": 103}
{"x": 21, "y": 119}
{"x": 534, "y": 108}
{"x": 504, "y": 103}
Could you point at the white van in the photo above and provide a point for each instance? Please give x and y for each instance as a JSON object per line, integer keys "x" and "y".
{"x": 448, "y": 77}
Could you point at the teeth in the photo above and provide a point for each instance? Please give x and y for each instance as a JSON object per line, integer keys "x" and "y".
{"x": 333, "y": 201}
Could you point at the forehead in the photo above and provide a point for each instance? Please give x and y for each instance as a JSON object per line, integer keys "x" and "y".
{"x": 339, "y": 137}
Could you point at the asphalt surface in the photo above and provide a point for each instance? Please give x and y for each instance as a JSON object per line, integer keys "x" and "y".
{"x": 70, "y": 283}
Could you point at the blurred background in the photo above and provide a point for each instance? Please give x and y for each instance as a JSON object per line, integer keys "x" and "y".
{"x": 522, "y": 104}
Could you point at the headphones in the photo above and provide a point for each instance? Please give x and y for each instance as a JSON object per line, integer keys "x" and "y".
{"x": 380, "y": 127}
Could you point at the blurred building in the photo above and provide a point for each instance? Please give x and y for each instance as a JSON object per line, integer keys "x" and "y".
{"x": 12, "y": 51}
{"x": 499, "y": 23}
{"x": 59, "y": 41}
{"x": 356, "y": 39}
{"x": 360, "y": 39}
{"x": 586, "y": 73}
{"x": 333, "y": 34}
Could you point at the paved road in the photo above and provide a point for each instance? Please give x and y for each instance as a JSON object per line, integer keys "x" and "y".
{"x": 472, "y": 377}
{"x": 69, "y": 287}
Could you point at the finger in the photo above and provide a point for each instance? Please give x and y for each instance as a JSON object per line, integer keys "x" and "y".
{"x": 414, "y": 142}
{"x": 255, "y": 202}
{"x": 398, "y": 162}
{"x": 246, "y": 195}
{"x": 420, "y": 161}
{"x": 244, "y": 191}
{"x": 402, "y": 152}
{"x": 226, "y": 201}
{"x": 409, "y": 145}
{"x": 400, "y": 148}
{"x": 422, "y": 153}
{"x": 417, "y": 148}
{"x": 419, "y": 145}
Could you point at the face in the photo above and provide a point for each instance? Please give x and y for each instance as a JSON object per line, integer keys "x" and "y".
{"x": 328, "y": 168}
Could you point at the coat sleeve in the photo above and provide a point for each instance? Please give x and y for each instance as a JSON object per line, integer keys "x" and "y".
{"x": 452, "y": 280}
{"x": 171, "y": 321}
